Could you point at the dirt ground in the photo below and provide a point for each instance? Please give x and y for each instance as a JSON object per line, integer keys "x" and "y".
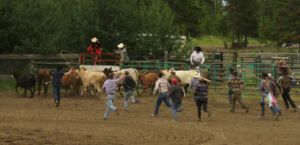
{"x": 80, "y": 121}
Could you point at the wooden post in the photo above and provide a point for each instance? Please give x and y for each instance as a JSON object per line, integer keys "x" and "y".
{"x": 166, "y": 60}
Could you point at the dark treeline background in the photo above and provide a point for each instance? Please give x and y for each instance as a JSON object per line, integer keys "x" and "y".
{"x": 146, "y": 26}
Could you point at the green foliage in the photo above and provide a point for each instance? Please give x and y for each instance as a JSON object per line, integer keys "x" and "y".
{"x": 6, "y": 85}
{"x": 50, "y": 26}
{"x": 242, "y": 19}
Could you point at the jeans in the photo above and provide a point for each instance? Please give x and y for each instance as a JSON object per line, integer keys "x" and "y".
{"x": 128, "y": 94}
{"x": 201, "y": 104}
{"x": 287, "y": 98}
{"x": 175, "y": 107}
{"x": 56, "y": 93}
{"x": 161, "y": 97}
{"x": 109, "y": 105}
{"x": 274, "y": 109}
{"x": 230, "y": 93}
{"x": 237, "y": 97}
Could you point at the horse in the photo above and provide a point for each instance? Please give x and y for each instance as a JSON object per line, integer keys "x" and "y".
{"x": 24, "y": 80}
{"x": 43, "y": 79}
{"x": 148, "y": 80}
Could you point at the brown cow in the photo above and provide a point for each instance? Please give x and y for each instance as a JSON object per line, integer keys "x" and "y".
{"x": 43, "y": 78}
{"x": 148, "y": 80}
{"x": 71, "y": 81}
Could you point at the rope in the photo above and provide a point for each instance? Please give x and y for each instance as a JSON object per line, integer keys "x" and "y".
{"x": 66, "y": 60}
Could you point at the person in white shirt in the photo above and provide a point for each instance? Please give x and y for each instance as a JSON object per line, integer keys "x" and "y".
{"x": 123, "y": 53}
{"x": 197, "y": 57}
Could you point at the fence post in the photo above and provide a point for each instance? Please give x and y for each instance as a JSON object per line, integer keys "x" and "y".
{"x": 166, "y": 60}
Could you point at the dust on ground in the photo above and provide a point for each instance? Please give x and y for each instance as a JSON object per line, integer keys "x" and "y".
{"x": 80, "y": 121}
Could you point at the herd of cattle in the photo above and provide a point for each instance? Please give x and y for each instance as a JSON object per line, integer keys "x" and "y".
{"x": 82, "y": 81}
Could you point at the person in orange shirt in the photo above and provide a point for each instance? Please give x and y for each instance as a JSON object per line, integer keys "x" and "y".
{"x": 94, "y": 49}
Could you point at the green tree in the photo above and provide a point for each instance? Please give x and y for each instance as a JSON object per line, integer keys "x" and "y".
{"x": 286, "y": 21}
{"x": 242, "y": 18}
{"x": 8, "y": 36}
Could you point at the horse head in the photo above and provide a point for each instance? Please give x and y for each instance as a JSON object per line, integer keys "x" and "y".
{"x": 106, "y": 71}
{"x": 13, "y": 74}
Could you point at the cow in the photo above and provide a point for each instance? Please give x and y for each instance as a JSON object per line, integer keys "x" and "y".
{"x": 91, "y": 79}
{"x": 43, "y": 79}
{"x": 24, "y": 80}
{"x": 148, "y": 80}
{"x": 184, "y": 75}
{"x": 71, "y": 81}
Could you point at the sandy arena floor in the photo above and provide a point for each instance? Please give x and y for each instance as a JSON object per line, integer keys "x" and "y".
{"x": 80, "y": 121}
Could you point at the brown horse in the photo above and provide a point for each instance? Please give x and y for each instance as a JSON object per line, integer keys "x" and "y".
{"x": 148, "y": 80}
{"x": 43, "y": 78}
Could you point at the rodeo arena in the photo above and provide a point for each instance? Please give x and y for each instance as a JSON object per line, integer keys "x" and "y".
{"x": 95, "y": 97}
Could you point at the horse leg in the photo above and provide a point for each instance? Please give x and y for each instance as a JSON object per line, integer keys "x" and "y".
{"x": 25, "y": 92}
{"x": 39, "y": 86}
{"x": 16, "y": 87}
{"x": 83, "y": 94}
{"x": 31, "y": 92}
{"x": 46, "y": 88}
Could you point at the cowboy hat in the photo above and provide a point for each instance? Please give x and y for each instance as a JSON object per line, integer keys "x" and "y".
{"x": 121, "y": 45}
{"x": 269, "y": 75}
{"x": 198, "y": 76}
{"x": 94, "y": 39}
{"x": 172, "y": 70}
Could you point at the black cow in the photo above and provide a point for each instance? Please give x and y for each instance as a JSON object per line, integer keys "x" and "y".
{"x": 24, "y": 80}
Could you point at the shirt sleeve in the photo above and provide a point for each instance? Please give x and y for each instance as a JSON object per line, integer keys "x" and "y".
{"x": 156, "y": 87}
{"x": 202, "y": 58}
{"x": 279, "y": 80}
{"x": 191, "y": 57}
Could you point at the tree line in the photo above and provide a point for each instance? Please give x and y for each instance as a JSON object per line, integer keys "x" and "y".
{"x": 146, "y": 26}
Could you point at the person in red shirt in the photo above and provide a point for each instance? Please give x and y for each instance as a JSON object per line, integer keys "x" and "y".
{"x": 95, "y": 49}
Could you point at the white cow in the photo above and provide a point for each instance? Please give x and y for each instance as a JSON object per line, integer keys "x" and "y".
{"x": 88, "y": 78}
{"x": 134, "y": 73}
{"x": 184, "y": 75}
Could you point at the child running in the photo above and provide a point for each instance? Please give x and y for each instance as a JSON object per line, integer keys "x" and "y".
{"x": 201, "y": 96}
{"x": 267, "y": 95}
{"x": 176, "y": 94}
{"x": 236, "y": 85}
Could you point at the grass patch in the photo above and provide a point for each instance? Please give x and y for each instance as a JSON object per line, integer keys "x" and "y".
{"x": 7, "y": 85}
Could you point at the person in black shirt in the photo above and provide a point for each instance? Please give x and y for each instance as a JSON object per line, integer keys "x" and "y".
{"x": 56, "y": 83}
{"x": 129, "y": 85}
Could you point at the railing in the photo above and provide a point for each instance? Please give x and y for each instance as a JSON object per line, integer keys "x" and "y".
{"x": 154, "y": 65}
{"x": 103, "y": 58}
